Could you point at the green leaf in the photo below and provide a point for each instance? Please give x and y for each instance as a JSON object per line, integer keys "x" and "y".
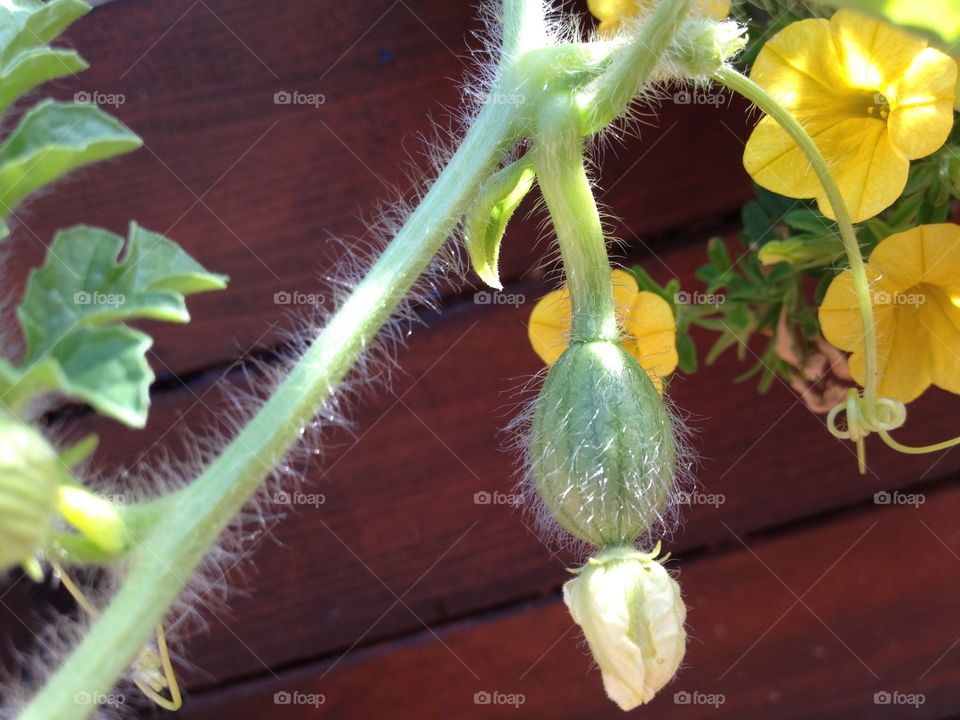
{"x": 31, "y": 23}
{"x": 53, "y": 139}
{"x": 78, "y": 452}
{"x": 718, "y": 256}
{"x": 757, "y": 226}
{"x": 726, "y": 340}
{"x": 71, "y": 307}
{"x": 739, "y": 317}
{"x": 809, "y": 222}
{"x": 486, "y": 221}
{"x": 33, "y": 67}
{"x": 687, "y": 353}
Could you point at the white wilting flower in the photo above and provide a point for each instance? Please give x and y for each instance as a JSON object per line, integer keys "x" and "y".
{"x": 631, "y": 612}
{"x": 29, "y": 476}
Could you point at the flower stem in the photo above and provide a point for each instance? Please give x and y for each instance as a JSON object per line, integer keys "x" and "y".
{"x": 171, "y": 551}
{"x": 558, "y": 159}
{"x": 611, "y": 94}
{"x": 768, "y": 104}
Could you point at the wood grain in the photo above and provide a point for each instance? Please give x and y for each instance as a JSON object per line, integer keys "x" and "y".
{"x": 400, "y": 559}
{"x": 257, "y": 190}
{"x": 809, "y": 623}
{"x": 399, "y": 516}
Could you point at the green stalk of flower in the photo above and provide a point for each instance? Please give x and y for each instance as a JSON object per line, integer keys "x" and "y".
{"x": 558, "y": 159}
{"x": 768, "y": 104}
{"x": 874, "y": 413}
{"x": 170, "y": 551}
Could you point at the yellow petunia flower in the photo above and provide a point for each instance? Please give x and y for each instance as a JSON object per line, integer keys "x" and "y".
{"x": 646, "y": 318}
{"x": 611, "y": 13}
{"x": 915, "y": 285}
{"x": 872, "y": 97}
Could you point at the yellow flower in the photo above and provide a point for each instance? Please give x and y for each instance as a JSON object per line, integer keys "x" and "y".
{"x": 872, "y": 98}
{"x": 915, "y": 289}
{"x": 611, "y": 13}
{"x": 646, "y": 318}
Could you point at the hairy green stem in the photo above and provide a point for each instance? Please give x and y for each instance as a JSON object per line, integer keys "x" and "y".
{"x": 611, "y": 94}
{"x": 169, "y": 550}
{"x": 558, "y": 159}
{"x": 769, "y": 105}
{"x": 169, "y": 554}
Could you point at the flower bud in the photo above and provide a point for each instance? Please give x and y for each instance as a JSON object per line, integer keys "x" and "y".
{"x": 802, "y": 254}
{"x": 701, "y": 48}
{"x": 632, "y": 615}
{"x": 602, "y": 449}
{"x": 29, "y": 477}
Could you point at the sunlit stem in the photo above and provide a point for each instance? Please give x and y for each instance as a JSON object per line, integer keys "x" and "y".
{"x": 609, "y": 96}
{"x": 768, "y": 104}
{"x": 170, "y": 552}
{"x": 559, "y": 162}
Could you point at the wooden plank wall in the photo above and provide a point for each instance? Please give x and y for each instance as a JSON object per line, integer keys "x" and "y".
{"x": 399, "y": 595}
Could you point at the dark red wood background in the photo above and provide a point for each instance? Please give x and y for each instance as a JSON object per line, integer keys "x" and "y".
{"x": 400, "y": 596}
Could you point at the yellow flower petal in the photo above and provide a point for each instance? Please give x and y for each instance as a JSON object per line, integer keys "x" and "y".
{"x": 904, "y": 369}
{"x": 870, "y": 172}
{"x": 611, "y": 13}
{"x": 774, "y": 161}
{"x": 915, "y": 287}
{"x": 871, "y": 96}
{"x": 624, "y": 291}
{"x": 904, "y": 364}
{"x": 927, "y": 254}
{"x": 549, "y": 328}
{"x": 646, "y": 318}
{"x": 940, "y": 317}
{"x": 652, "y": 333}
{"x": 612, "y": 10}
{"x": 921, "y": 102}
{"x": 872, "y": 52}
{"x": 799, "y": 65}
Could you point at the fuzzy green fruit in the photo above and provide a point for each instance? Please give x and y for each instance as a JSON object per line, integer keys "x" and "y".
{"x": 603, "y": 451}
{"x": 29, "y": 478}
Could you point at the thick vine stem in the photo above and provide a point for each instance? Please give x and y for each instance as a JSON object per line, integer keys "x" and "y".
{"x": 171, "y": 551}
{"x": 610, "y": 95}
{"x": 559, "y": 162}
{"x": 769, "y": 105}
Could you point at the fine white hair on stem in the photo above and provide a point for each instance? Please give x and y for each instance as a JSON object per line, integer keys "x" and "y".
{"x": 258, "y": 378}
{"x": 246, "y": 387}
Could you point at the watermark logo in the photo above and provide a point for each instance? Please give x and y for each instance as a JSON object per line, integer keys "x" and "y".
{"x": 98, "y": 298}
{"x": 499, "y": 98}
{"x": 496, "y": 298}
{"x": 684, "y": 697}
{"x": 296, "y": 97}
{"x": 700, "y": 97}
{"x": 698, "y": 298}
{"x": 898, "y": 498}
{"x": 882, "y": 297}
{"x": 313, "y": 500}
{"x": 887, "y": 697}
{"x": 298, "y": 298}
{"x": 299, "y": 698}
{"x": 498, "y": 698}
{"x": 94, "y": 97}
{"x": 698, "y": 498}
{"x": 98, "y": 698}
{"x": 496, "y": 498}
